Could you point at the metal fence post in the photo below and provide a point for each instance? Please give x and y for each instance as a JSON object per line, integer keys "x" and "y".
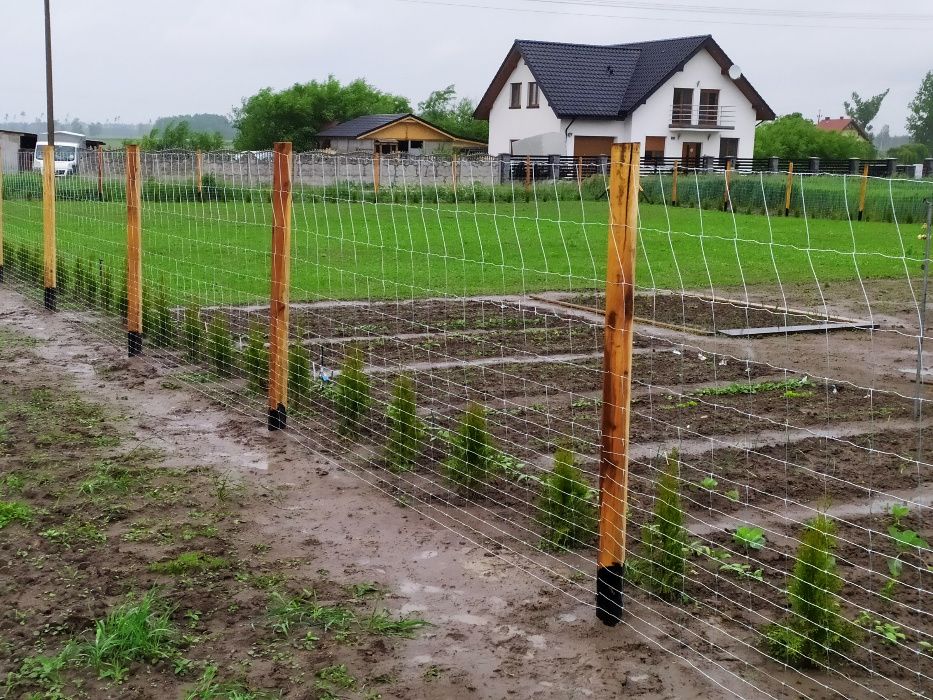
{"x": 853, "y": 166}
{"x": 554, "y": 162}
{"x": 774, "y": 164}
{"x": 892, "y": 166}
{"x": 814, "y": 165}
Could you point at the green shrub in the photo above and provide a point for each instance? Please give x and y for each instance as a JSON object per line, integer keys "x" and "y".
{"x": 470, "y": 462}
{"x": 106, "y": 289}
{"x": 352, "y": 393}
{"x": 405, "y": 431}
{"x": 163, "y": 325}
{"x": 91, "y": 284}
{"x": 665, "y": 538}
{"x": 220, "y": 345}
{"x": 192, "y": 332}
{"x": 815, "y": 629}
{"x": 568, "y": 511}
{"x": 299, "y": 377}
{"x": 256, "y": 359}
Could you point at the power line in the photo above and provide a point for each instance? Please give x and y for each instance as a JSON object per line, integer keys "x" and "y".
{"x": 916, "y": 24}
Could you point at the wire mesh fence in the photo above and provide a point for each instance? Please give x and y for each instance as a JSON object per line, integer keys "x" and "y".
{"x": 441, "y": 332}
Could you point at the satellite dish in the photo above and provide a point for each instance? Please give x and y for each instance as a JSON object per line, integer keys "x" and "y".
{"x": 735, "y": 72}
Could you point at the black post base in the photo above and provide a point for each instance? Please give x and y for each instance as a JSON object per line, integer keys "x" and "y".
{"x": 51, "y": 298}
{"x": 609, "y": 603}
{"x": 787, "y": 212}
{"x": 860, "y": 215}
{"x": 134, "y": 343}
{"x": 277, "y": 418}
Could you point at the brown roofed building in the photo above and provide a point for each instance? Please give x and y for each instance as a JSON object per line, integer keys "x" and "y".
{"x": 844, "y": 125}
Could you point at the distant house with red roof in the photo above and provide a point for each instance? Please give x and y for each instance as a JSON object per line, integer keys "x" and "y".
{"x": 844, "y": 125}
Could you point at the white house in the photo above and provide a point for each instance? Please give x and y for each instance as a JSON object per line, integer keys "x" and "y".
{"x": 680, "y": 98}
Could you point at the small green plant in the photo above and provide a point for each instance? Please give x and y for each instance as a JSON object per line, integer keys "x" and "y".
{"x": 907, "y": 540}
{"x": 752, "y": 388}
{"x": 749, "y": 537}
{"x": 299, "y": 377}
{"x": 189, "y": 563}
{"x": 382, "y": 623}
{"x": 665, "y": 539}
{"x": 43, "y": 672}
{"x": 210, "y": 687}
{"x": 74, "y": 531}
{"x": 568, "y": 514}
{"x": 709, "y": 484}
{"x": 816, "y": 628}
{"x": 743, "y": 571}
{"x": 79, "y": 281}
{"x": 890, "y": 633}
{"x": 91, "y": 284}
{"x": 14, "y": 511}
{"x": 333, "y": 679}
{"x": 405, "y": 431}
{"x": 470, "y": 461}
{"x": 192, "y": 332}
{"x": 895, "y": 568}
{"x": 135, "y": 631}
{"x": 256, "y": 359}
{"x": 220, "y": 346}
{"x": 899, "y": 511}
{"x": 732, "y": 494}
{"x": 352, "y": 396}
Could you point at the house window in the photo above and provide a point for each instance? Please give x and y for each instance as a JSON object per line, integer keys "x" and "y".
{"x": 683, "y": 106}
{"x": 418, "y": 145}
{"x": 709, "y": 107}
{"x": 532, "y": 95}
{"x": 654, "y": 147}
{"x": 516, "y": 98}
{"x": 728, "y": 148}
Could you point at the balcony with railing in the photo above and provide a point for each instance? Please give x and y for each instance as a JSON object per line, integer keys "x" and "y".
{"x": 702, "y": 117}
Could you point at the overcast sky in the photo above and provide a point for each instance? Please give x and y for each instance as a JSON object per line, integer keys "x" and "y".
{"x": 141, "y": 60}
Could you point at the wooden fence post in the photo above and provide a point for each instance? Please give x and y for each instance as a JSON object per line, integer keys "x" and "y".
{"x": 281, "y": 273}
{"x": 579, "y": 170}
{"x": 48, "y": 229}
{"x": 1, "y": 213}
{"x": 377, "y": 170}
{"x": 726, "y": 198}
{"x": 134, "y": 260}
{"x": 624, "y": 175}
{"x": 198, "y": 174}
{"x": 674, "y": 183}
{"x": 100, "y": 173}
{"x": 454, "y": 164}
{"x": 864, "y": 191}
{"x": 789, "y": 188}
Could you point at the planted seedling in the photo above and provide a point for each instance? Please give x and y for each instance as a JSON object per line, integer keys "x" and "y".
{"x": 907, "y": 540}
{"x": 709, "y": 483}
{"x": 749, "y": 537}
{"x": 352, "y": 397}
{"x": 256, "y": 359}
{"x": 470, "y": 462}
{"x": 568, "y": 512}
{"x": 816, "y": 629}
{"x": 405, "y": 430}
{"x": 665, "y": 538}
{"x": 220, "y": 346}
{"x": 743, "y": 571}
{"x": 732, "y": 494}
{"x": 192, "y": 330}
{"x": 299, "y": 377}
{"x": 895, "y": 568}
{"x": 899, "y": 511}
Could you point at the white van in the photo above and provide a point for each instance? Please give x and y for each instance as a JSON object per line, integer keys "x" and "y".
{"x": 67, "y": 147}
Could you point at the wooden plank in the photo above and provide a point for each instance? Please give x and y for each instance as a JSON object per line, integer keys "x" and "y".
{"x": 804, "y": 328}
{"x": 726, "y": 198}
{"x": 281, "y": 275}
{"x": 134, "y": 260}
{"x": 579, "y": 170}
{"x": 48, "y": 225}
{"x": 624, "y": 175}
{"x": 789, "y": 188}
{"x": 454, "y": 165}
{"x": 863, "y": 192}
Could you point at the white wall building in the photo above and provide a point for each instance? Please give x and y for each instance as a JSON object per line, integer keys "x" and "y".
{"x": 680, "y": 98}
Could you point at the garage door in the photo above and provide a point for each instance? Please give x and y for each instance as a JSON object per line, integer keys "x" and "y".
{"x": 592, "y": 145}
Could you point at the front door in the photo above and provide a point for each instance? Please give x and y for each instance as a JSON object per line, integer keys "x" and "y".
{"x": 589, "y": 146}
{"x": 691, "y": 154}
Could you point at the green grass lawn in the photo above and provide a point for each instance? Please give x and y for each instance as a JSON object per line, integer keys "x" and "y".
{"x": 219, "y": 252}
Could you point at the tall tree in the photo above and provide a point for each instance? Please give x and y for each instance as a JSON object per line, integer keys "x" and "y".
{"x": 455, "y": 116}
{"x": 865, "y": 111}
{"x": 920, "y": 119}
{"x": 180, "y": 135}
{"x": 299, "y": 112}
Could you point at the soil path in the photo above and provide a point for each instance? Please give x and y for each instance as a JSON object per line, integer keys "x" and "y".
{"x": 498, "y": 632}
